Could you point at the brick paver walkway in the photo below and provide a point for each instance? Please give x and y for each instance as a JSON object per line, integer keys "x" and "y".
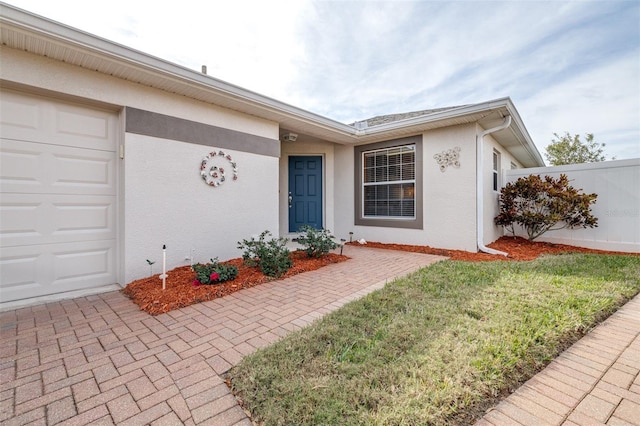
{"x": 594, "y": 382}
{"x": 100, "y": 360}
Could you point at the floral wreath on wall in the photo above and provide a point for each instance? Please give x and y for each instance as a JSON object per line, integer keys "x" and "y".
{"x": 213, "y": 174}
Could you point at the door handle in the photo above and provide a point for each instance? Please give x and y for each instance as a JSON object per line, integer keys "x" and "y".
{"x": 290, "y": 199}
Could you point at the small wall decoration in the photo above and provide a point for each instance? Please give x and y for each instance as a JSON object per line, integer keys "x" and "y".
{"x": 449, "y": 157}
{"x": 212, "y": 171}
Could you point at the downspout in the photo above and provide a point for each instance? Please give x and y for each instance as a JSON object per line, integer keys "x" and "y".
{"x": 479, "y": 187}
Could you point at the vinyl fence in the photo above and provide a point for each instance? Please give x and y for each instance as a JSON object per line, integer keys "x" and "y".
{"x": 617, "y": 208}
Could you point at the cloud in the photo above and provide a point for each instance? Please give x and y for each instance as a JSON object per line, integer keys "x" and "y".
{"x": 604, "y": 101}
{"x": 252, "y": 44}
{"x": 566, "y": 65}
{"x": 571, "y": 66}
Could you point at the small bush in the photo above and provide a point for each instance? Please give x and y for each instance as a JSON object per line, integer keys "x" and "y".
{"x": 214, "y": 272}
{"x": 541, "y": 205}
{"x": 316, "y": 242}
{"x": 270, "y": 256}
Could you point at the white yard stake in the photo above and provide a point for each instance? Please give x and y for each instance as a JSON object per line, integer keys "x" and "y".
{"x": 164, "y": 267}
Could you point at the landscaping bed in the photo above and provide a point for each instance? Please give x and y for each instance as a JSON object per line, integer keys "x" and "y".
{"x": 181, "y": 291}
{"x": 518, "y": 248}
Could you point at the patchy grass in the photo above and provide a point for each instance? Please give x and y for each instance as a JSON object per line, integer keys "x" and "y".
{"x": 436, "y": 347}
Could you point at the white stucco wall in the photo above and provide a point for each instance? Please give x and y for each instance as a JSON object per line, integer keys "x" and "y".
{"x": 448, "y": 201}
{"x": 162, "y": 199}
{"x": 318, "y": 148}
{"x": 42, "y": 73}
{"x": 167, "y": 202}
{"x": 343, "y": 191}
{"x": 617, "y": 207}
{"x": 450, "y": 196}
{"x": 491, "y": 198}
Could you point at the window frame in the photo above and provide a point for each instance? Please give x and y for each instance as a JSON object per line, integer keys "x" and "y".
{"x": 414, "y": 222}
{"x": 495, "y": 167}
{"x": 387, "y": 182}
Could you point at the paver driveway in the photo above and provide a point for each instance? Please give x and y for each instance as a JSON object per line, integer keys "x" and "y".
{"x": 100, "y": 359}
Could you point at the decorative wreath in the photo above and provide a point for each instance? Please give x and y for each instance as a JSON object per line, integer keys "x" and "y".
{"x": 449, "y": 157}
{"x": 214, "y": 175}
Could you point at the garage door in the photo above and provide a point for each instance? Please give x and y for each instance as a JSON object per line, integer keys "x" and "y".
{"x": 57, "y": 197}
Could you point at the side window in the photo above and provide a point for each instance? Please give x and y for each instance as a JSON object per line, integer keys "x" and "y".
{"x": 496, "y": 170}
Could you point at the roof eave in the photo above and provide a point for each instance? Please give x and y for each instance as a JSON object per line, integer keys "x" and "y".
{"x": 243, "y": 100}
{"x": 37, "y": 26}
{"x": 524, "y": 138}
{"x": 466, "y": 110}
{"x": 503, "y": 105}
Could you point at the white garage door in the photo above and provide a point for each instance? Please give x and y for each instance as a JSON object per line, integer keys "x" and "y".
{"x": 57, "y": 197}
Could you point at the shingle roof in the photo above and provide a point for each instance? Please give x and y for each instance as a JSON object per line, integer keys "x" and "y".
{"x": 390, "y": 118}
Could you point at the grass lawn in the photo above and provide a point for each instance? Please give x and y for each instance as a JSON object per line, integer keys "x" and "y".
{"x": 436, "y": 347}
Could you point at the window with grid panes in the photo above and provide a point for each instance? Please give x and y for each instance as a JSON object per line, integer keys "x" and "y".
{"x": 496, "y": 170}
{"x": 389, "y": 181}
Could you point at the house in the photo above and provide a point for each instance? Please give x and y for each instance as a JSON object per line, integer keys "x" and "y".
{"x": 108, "y": 154}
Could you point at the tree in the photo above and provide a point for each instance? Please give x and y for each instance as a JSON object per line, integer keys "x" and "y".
{"x": 569, "y": 149}
{"x": 538, "y": 205}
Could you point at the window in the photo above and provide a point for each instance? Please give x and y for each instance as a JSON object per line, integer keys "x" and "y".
{"x": 496, "y": 170}
{"x": 389, "y": 181}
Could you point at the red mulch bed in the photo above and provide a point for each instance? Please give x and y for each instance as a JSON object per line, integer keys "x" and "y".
{"x": 518, "y": 249}
{"x": 180, "y": 291}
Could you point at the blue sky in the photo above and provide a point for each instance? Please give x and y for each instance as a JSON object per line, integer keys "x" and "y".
{"x": 568, "y": 66}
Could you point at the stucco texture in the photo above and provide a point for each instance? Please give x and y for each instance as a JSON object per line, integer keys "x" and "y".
{"x": 167, "y": 202}
{"x": 449, "y": 214}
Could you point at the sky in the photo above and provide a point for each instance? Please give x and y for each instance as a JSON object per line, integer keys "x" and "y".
{"x": 568, "y": 66}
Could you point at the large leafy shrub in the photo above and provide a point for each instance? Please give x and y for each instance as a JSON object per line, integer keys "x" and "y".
{"x": 541, "y": 205}
{"x": 316, "y": 242}
{"x": 271, "y": 255}
{"x": 214, "y": 272}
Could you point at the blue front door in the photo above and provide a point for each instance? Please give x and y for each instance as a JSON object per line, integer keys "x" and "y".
{"x": 305, "y": 192}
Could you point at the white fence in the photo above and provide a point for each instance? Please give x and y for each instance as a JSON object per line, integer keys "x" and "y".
{"x": 617, "y": 208}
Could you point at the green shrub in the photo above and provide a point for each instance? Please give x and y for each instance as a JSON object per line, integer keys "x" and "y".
{"x": 541, "y": 205}
{"x": 270, "y": 256}
{"x": 214, "y": 272}
{"x": 316, "y": 242}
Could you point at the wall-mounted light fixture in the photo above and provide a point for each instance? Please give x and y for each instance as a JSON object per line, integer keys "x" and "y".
{"x": 289, "y": 137}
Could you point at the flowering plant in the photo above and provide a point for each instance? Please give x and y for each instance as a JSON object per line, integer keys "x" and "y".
{"x": 213, "y": 273}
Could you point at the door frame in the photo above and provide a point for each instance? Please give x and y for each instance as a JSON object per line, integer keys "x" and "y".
{"x": 322, "y": 192}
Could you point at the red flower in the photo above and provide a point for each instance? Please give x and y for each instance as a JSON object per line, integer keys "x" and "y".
{"x": 214, "y": 277}
{"x": 196, "y": 283}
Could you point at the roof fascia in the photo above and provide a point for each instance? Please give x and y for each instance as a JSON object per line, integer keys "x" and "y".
{"x": 57, "y": 32}
{"x": 437, "y": 116}
{"x": 526, "y": 141}
{"x": 505, "y": 104}
{"x": 27, "y": 22}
